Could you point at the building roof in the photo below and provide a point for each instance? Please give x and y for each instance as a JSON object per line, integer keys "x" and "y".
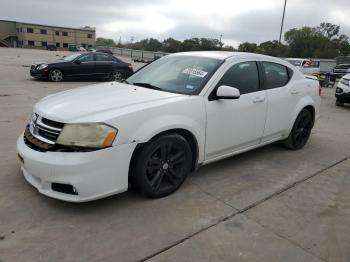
{"x": 85, "y": 28}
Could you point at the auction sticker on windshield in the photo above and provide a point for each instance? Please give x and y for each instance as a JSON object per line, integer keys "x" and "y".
{"x": 195, "y": 72}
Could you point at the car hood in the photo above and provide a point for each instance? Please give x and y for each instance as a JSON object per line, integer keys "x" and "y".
{"x": 78, "y": 104}
{"x": 51, "y": 62}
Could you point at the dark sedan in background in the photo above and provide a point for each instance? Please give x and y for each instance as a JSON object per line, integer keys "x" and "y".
{"x": 83, "y": 66}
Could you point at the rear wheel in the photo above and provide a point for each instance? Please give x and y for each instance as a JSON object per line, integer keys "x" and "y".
{"x": 161, "y": 166}
{"x": 301, "y": 131}
{"x": 56, "y": 75}
{"x": 116, "y": 76}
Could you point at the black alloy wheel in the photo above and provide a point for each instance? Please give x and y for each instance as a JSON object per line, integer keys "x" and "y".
{"x": 301, "y": 131}
{"x": 162, "y": 165}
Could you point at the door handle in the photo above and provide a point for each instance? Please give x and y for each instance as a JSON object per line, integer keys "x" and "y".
{"x": 258, "y": 99}
{"x": 294, "y": 92}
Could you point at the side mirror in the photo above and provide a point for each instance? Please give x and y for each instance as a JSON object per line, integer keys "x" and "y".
{"x": 225, "y": 92}
{"x": 78, "y": 62}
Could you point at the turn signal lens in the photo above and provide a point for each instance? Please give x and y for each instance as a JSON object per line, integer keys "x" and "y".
{"x": 109, "y": 138}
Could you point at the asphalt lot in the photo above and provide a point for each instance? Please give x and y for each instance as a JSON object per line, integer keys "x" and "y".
{"x": 270, "y": 204}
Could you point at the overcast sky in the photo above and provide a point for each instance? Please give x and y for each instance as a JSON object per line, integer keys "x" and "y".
{"x": 237, "y": 20}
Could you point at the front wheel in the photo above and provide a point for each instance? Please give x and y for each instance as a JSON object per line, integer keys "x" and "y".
{"x": 300, "y": 132}
{"x": 161, "y": 166}
{"x": 56, "y": 75}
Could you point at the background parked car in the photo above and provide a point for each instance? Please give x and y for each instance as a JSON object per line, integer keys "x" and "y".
{"x": 342, "y": 93}
{"x": 340, "y": 70}
{"x": 82, "y": 66}
{"x": 104, "y": 50}
{"x": 51, "y": 47}
{"x": 306, "y": 66}
{"x": 81, "y": 49}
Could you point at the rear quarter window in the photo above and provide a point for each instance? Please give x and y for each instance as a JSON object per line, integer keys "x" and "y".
{"x": 276, "y": 75}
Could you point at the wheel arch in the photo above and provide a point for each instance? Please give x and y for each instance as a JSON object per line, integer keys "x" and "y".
{"x": 56, "y": 67}
{"x": 305, "y": 103}
{"x": 185, "y": 133}
{"x": 311, "y": 109}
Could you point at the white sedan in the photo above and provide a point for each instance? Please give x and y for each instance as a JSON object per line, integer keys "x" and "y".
{"x": 172, "y": 116}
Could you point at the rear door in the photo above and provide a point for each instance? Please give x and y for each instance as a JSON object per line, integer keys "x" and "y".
{"x": 104, "y": 64}
{"x": 282, "y": 94}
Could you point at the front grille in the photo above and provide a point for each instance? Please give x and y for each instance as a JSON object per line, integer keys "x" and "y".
{"x": 44, "y": 129}
{"x": 52, "y": 123}
{"x": 34, "y": 143}
{"x": 42, "y": 133}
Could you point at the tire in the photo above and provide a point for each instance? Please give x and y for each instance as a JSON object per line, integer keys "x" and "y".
{"x": 116, "y": 76}
{"x": 338, "y": 103}
{"x": 301, "y": 131}
{"x": 56, "y": 75}
{"x": 161, "y": 166}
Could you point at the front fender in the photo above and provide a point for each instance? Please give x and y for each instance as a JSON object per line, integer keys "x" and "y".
{"x": 155, "y": 126}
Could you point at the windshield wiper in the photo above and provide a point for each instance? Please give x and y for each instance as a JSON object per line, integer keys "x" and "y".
{"x": 147, "y": 85}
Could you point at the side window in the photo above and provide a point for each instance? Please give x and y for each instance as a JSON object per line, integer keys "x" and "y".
{"x": 243, "y": 76}
{"x": 102, "y": 57}
{"x": 86, "y": 58}
{"x": 276, "y": 75}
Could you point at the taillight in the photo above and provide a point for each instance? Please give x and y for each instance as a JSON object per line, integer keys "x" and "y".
{"x": 130, "y": 67}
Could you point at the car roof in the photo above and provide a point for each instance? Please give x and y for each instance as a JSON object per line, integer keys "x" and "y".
{"x": 307, "y": 59}
{"x": 295, "y": 58}
{"x": 222, "y": 55}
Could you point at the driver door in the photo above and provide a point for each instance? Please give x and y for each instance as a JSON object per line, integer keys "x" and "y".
{"x": 236, "y": 124}
{"x": 83, "y": 66}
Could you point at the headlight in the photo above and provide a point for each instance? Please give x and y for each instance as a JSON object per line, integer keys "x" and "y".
{"x": 42, "y": 66}
{"x": 345, "y": 82}
{"x": 93, "y": 135}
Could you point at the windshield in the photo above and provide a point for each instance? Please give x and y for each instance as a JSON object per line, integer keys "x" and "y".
{"x": 177, "y": 74}
{"x": 70, "y": 57}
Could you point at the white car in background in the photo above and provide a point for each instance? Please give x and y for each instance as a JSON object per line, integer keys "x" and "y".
{"x": 306, "y": 66}
{"x": 172, "y": 116}
{"x": 342, "y": 92}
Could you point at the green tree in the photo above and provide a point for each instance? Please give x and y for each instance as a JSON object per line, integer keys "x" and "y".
{"x": 192, "y": 44}
{"x": 171, "y": 45}
{"x": 272, "y": 48}
{"x": 210, "y": 44}
{"x": 248, "y": 47}
{"x": 149, "y": 44}
{"x": 100, "y": 41}
{"x": 323, "y": 41}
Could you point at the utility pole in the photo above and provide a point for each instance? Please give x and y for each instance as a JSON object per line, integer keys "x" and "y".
{"x": 284, "y": 11}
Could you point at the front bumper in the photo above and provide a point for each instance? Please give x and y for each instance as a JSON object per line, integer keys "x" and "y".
{"x": 342, "y": 93}
{"x": 42, "y": 74}
{"x": 344, "y": 98}
{"x": 94, "y": 175}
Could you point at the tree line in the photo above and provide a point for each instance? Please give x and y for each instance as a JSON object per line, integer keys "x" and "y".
{"x": 323, "y": 41}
